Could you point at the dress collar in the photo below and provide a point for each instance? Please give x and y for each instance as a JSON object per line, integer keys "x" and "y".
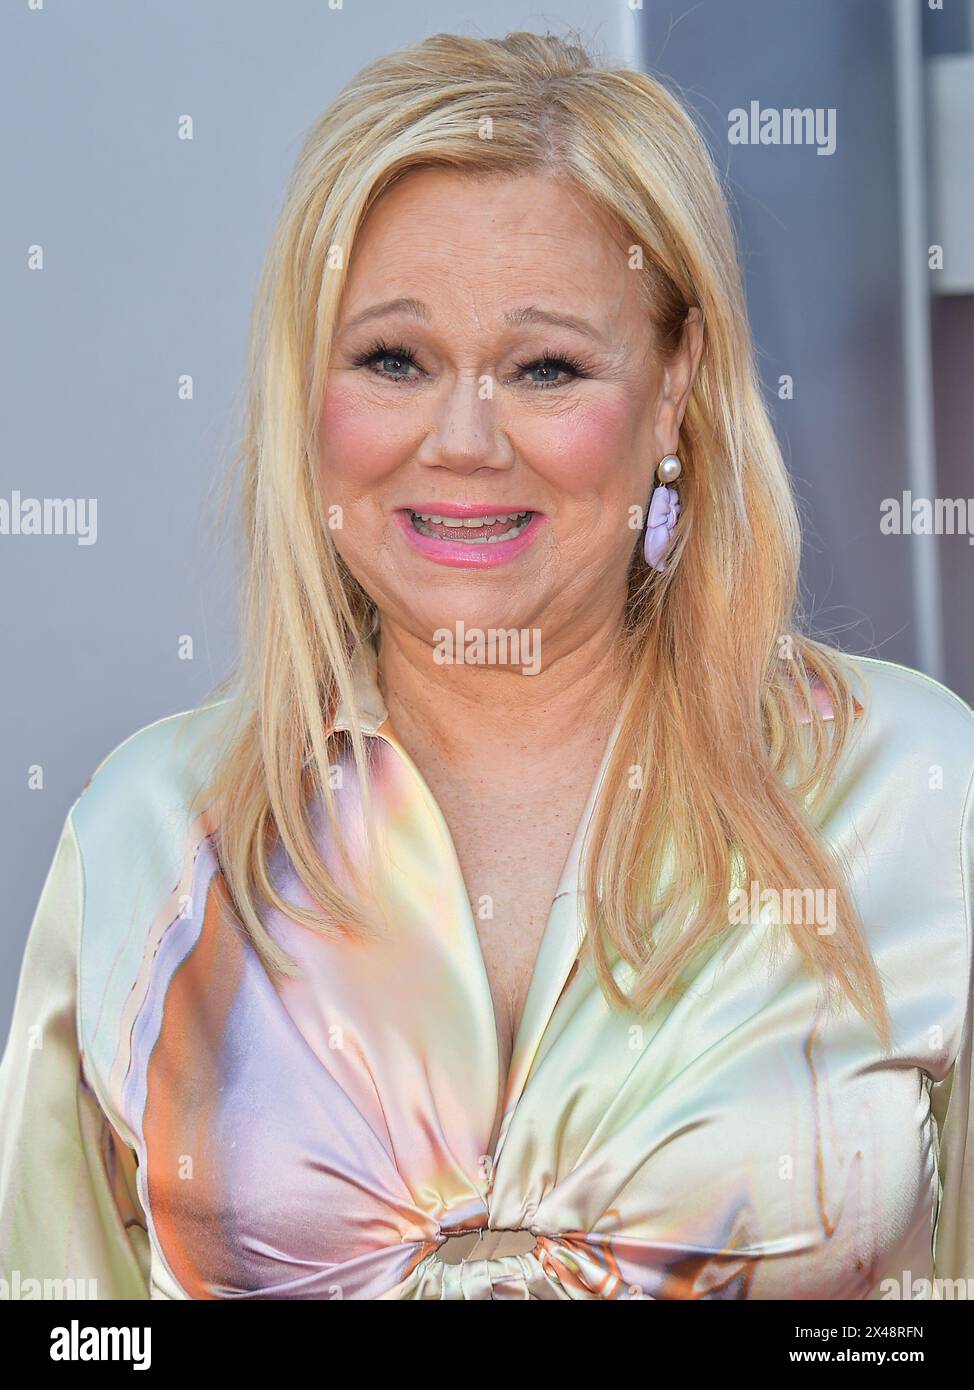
{"x": 421, "y": 885}
{"x": 366, "y": 694}
{"x": 424, "y": 890}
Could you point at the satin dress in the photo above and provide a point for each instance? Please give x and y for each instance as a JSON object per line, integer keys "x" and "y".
{"x": 176, "y": 1124}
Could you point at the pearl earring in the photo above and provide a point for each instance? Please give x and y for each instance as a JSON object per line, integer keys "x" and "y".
{"x": 664, "y": 510}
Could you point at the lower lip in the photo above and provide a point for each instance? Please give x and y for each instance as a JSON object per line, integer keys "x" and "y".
{"x": 464, "y": 554}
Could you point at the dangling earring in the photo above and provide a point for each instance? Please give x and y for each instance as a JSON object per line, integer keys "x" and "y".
{"x": 664, "y": 510}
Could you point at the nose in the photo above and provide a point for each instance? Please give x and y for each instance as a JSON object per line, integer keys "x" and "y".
{"x": 465, "y": 433}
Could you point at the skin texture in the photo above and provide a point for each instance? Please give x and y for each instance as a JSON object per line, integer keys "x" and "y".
{"x": 509, "y": 758}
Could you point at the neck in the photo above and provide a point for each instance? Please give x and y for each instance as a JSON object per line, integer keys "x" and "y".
{"x": 491, "y": 717}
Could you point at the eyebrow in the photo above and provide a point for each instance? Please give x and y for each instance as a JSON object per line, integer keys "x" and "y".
{"x": 528, "y": 313}
{"x": 414, "y": 307}
{"x": 532, "y": 314}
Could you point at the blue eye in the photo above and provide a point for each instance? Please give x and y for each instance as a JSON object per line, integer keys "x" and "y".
{"x": 380, "y": 354}
{"x": 551, "y": 363}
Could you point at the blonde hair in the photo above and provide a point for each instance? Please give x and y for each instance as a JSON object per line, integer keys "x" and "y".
{"x": 719, "y": 676}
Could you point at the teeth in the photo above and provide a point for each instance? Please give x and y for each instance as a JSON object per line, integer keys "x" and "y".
{"x": 519, "y": 519}
{"x": 472, "y": 521}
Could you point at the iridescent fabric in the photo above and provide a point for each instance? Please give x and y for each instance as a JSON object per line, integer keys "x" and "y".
{"x": 178, "y": 1124}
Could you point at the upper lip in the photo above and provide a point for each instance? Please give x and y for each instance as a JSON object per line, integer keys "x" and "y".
{"x": 465, "y": 509}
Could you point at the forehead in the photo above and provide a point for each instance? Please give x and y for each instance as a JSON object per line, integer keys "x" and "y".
{"x": 445, "y": 235}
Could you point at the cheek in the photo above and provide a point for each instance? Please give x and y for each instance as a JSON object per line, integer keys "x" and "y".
{"x": 359, "y": 443}
{"x": 589, "y": 451}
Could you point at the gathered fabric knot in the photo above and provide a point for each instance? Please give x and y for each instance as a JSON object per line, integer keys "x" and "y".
{"x": 486, "y": 1264}
{"x": 479, "y": 1264}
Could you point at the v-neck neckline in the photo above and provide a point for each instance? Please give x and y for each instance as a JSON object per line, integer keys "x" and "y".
{"x": 558, "y": 949}
{"x": 562, "y": 937}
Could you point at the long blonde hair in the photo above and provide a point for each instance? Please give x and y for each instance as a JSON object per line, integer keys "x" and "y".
{"x": 720, "y": 678}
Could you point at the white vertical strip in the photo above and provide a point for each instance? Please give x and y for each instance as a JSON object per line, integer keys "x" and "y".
{"x": 629, "y": 35}
{"x": 915, "y": 300}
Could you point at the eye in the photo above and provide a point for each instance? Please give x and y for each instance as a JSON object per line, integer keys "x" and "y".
{"x": 392, "y": 362}
{"x": 387, "y": 360}
{"x": 553, "y": 364}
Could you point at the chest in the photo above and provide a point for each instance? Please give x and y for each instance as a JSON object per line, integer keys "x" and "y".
{"x": 511, "y": 882}
{"x": 512, "y": 853}
{"x": 734, "y": 1145}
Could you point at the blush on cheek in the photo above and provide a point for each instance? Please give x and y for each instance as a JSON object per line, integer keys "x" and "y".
{"x": 582, "y": 451}
{"x": 357, "y": 442}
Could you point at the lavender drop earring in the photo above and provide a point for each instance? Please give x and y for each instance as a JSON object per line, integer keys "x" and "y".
{"x": 664, "y": 510}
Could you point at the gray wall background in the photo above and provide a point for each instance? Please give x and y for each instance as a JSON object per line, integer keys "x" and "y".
{"x": 152, "y": 246}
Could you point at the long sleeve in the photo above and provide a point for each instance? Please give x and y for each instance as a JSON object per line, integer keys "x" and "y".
{"x": 68, "y": 1203}
{"x": 953, "y": 1110}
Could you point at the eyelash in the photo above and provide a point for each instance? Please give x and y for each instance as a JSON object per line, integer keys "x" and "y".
{"x": 565, "y": 361}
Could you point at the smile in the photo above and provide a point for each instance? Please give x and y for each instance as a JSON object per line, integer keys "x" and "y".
{"x": 469, "y": 537}
{"x": 473, "y": 530}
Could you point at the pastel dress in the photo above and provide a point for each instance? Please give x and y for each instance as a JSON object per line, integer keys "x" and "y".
{"x": 176, "y": 1123}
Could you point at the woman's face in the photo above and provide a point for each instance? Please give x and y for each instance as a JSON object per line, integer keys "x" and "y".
{"x": 493, "y": 357}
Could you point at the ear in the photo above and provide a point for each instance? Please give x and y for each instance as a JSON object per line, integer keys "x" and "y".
{"x": 677, "y": 381}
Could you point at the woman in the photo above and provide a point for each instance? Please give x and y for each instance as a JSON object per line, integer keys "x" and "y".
{"x": 538, "y": 914}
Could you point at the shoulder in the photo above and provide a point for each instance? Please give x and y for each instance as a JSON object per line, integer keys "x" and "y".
{"x": 902, "y": 805}
{"x": 901, "y": 816}
{"x": 908, "y": 716}
{"x": 172, "y": 755}
{"x": 146, "y": 785}
{"x": 138, "y": 830}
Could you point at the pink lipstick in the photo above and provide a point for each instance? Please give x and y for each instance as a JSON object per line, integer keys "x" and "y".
{"x": 469, "y": 535}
